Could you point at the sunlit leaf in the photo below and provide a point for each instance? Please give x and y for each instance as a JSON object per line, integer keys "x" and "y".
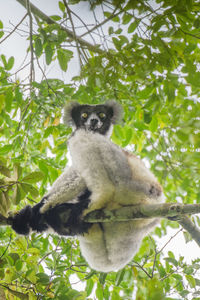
{"x": 33, "y": 177}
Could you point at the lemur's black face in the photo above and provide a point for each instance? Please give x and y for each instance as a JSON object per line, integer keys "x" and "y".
{"x": 93, "y": 118}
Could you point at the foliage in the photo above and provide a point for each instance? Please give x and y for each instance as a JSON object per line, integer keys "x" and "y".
{"x": 151, "y": 66}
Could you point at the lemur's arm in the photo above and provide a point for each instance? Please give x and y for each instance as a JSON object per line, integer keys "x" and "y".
{"x": 67, "y": 187}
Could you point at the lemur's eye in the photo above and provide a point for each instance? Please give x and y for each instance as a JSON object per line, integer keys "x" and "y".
{"x": 84, "y": 115}
{"x": 102, "y": 115}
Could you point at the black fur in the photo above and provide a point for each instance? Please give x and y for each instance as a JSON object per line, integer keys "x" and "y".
{"x": 65, "y": 219}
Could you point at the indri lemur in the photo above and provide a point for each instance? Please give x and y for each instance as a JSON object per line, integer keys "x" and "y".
{"x": 102, "y": 175}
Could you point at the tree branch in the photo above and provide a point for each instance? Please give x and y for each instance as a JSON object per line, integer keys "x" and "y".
{"x": 142, "y": 211}
{"x": 37, "y": 12}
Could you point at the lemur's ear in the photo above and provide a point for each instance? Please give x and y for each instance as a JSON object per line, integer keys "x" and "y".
{"x": 68, "y": 109}
{"x": 117, "y": 111}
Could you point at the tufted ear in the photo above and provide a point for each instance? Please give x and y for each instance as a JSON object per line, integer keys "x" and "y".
{"x": 117, "y": 111}
{"x": 68, "y": 109}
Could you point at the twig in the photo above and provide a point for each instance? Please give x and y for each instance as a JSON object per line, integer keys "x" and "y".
{"x": 85, "y": 25}
{"x": 14, "y": 29}
{"x": 31, "y": 44}
{"x": 143, "y": 269}
{"x": 188, "y": 33}
{"x": 74, "y": 32}
{"x": 171, "y": 238}
{"x": 104, "y": 21}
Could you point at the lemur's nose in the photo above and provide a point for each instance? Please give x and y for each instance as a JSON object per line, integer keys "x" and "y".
{"x": 93, "y": 122}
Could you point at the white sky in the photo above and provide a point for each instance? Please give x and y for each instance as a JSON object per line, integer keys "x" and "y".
{"x": 12, "y": 11}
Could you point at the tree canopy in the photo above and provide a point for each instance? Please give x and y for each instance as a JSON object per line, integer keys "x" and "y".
{"x": 144, "y": 54}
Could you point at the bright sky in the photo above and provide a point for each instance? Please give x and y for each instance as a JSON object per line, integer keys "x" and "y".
{"x": 11, "y": 12}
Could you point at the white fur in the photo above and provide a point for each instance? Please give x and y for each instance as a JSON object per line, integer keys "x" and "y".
{"x": 116, "y": 178}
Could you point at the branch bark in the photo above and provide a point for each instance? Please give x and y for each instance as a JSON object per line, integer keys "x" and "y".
{"x": 38, "y": 13}
{"x": 142, "y": 211}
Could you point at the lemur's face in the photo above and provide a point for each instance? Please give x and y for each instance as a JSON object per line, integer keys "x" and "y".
{"x": 96, "y": 118}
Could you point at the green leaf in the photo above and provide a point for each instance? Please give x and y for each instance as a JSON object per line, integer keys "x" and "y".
{"x": 5, "y": 149}
{"x": 17, "y": 194}
{"x": 56, "y": 18}
{"x": 38, "y": 47}
{"x": 28, "y": 188}
{"x": 2, "y": 102}
{"x": 187, "y": 237}
{"x": 10, "y": 63}
{"x": 64, "y": 57}
{"x": 48, "y": 54}
{"x": 132, "y": 27}
{"x": 102, "y": 278}
{"x": 110, "y": 30}
{"x": 3, "y": 58}
{"x": 191, "y": 280}
{"x": 5, "y": 171}
{"x": 119, "y": 277}
{"x": 43, "y": 278}
{"x": 129, "y": 134}
{"x": 153, "y": 126}
{"x": 89, "y": 286}
{"x": 99, "y": 292}
{"x": 126, "y": 18}
{"x": 107, "y": 14}
{"x": 61, "y": 6}
{"x": 172, "y": 260}
{"x": 33, "y": 177}
{"x": 8, "y": 99}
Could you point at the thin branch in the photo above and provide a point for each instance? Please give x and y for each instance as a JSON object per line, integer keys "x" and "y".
{"x": 14, "y": 29}
{"x": 143, "y": 269}
{"x": 98, "y": 29}
{"x": 38, "y": 13}
{"x": 171, "y": 238}
{"x": 31, "y": 44}
{"x": 103, "y": 22}
{"x": 74, "y": 32}
{"x": 188, "y": 33}
{"x": 84, "y": 24}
